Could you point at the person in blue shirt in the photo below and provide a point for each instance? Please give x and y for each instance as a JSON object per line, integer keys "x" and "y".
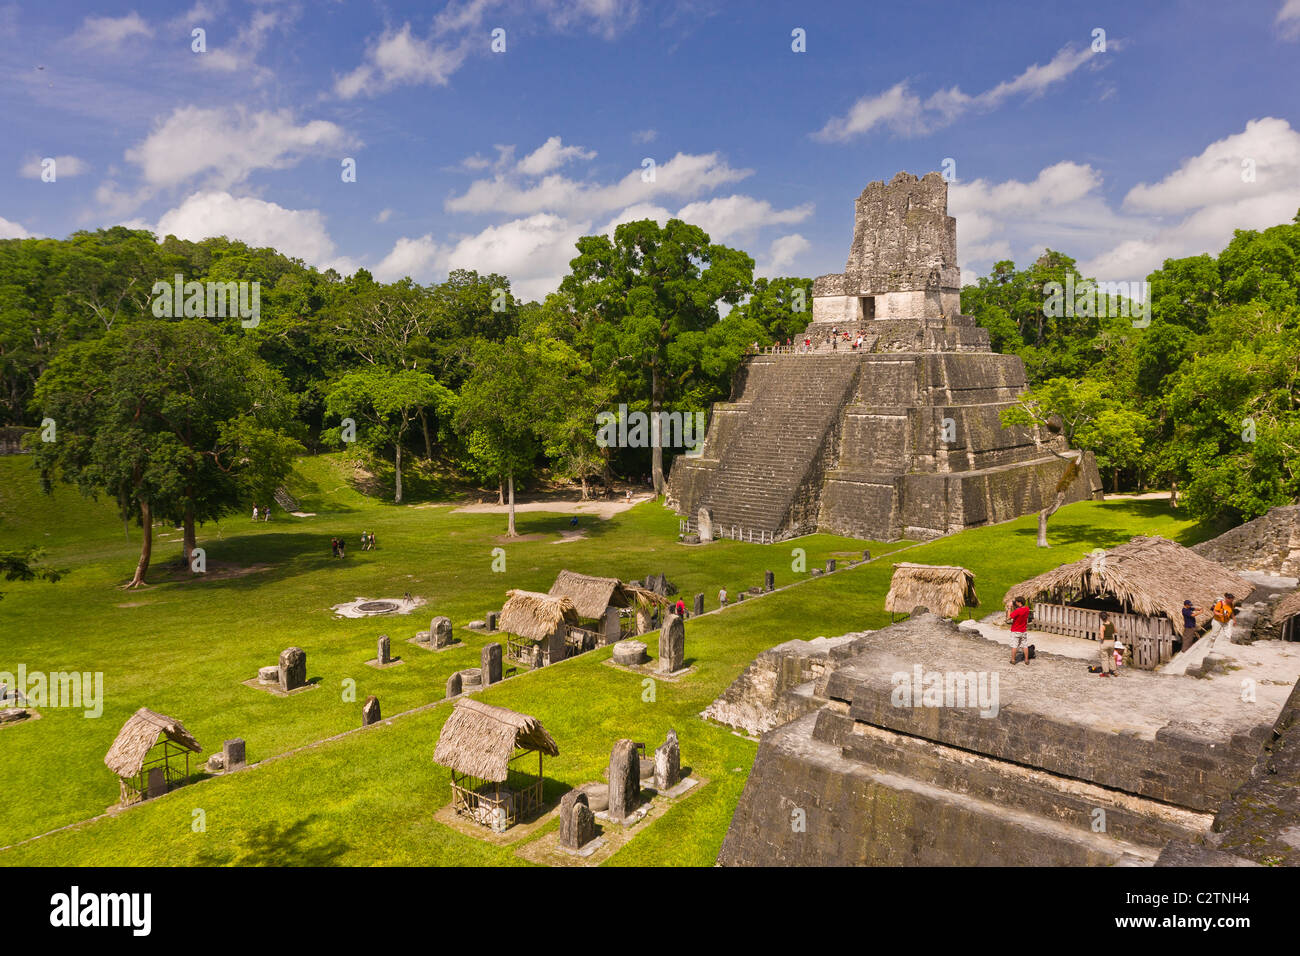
{"x": 1189, "y": 624}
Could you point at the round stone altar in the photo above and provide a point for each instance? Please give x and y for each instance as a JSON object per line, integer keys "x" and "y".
{"x": 630, "y": 653}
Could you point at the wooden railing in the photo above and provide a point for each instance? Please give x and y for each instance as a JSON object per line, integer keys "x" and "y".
{"x": 1151, "y": 638}
{"x": 734, "y": 532}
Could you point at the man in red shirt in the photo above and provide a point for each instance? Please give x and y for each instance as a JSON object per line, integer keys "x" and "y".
{"x": 1020, "y": 629}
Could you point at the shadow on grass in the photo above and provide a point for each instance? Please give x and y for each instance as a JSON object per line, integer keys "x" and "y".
{"x": 273, "y": 844}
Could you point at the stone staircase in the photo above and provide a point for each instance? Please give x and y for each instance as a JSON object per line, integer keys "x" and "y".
{"x": 767, "y": 468}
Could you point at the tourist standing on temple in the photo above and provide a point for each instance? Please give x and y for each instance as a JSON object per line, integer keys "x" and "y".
{"x": 1020, "y": 629}
{"x": 1225, "y": 610}
{"x": 1189, "y": 624}
{"x": 1107, "y": 641}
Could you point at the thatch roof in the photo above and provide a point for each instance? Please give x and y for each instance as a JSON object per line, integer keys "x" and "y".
{"x": 1148, "y": 576}
{"x": 944, "y": 589}
{"x": 478, "y": 739}
{"x": 139, "y": 735}
{"x": 590, "y": 594}
{"x": 535, "y": 616}
{"x": 1289, "y": 606}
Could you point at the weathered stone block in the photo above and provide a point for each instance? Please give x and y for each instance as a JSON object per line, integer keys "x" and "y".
{"x": 370, "y": 711}
{"x": 577, "y": 822}
{"x": 232, "y": 754}
{"x": 624, "y": 780}
{"x": 629, "y": 653}
{"x": 668, "y": 763}
{"x": 293, "y": 668}
{"x": 490, "y": 664}
{"x": 672, "y": 645}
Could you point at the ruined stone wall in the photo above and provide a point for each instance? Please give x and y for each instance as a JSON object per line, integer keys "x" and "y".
{"x": 1270, "y": 543}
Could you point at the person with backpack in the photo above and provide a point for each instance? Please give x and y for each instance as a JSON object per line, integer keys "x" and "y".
{"x": 1107, "y": 641}
{"x": 722, "y": 597}
{"x": 1225, "y": 610}
{"x": 1019, "y": 616}
{"x": 1189, "y": 624}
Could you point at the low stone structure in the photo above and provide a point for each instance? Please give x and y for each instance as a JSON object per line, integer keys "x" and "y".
{"x": 490, "y": 664}
{"x": 780, "y": 684}
{"x": 629, "y": 653}
{"x": 672, "y": 645}
{"x": 384, "y": 651}
{"x": 668, "y": 763}
{"x": 370, "y": 711}
{"x": 923, "y": 728}
{"x": 269, "y": 674}
{"x": 624, "y": 781}
{"x": 293, "y": 669}
{"x": 1270, "y": 543}
{"x": 233, "y": 754}
{"x": 454, "y": 685}
{"x": 440, "y": 631}
{"x": 577, "y": 822}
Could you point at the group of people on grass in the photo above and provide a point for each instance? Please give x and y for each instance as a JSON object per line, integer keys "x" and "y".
{"x": 339, "y": 549}
{"x": 1110, "y": 651}
{"x": 261, "y": 513}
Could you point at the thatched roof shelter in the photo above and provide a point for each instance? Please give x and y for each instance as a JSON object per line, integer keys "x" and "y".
{"x": 139, "y": 735}
{"x": 1148, "y": 576}
{"x": 1288, "y": 607}
{"x": 591, "y": 595}
{"x": 479, "y": 739}
{"x": 535, "y": 616}
{"x": 944, "y": 589}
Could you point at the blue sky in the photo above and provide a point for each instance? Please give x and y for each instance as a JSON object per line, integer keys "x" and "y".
{"x": 1185, "y": 127}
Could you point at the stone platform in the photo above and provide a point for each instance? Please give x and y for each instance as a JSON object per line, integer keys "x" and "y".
{"x": 1064, "y": 767}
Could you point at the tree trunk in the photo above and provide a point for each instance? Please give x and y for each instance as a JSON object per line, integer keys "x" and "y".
{"x": 1173, "y": 494}
{"x": 584, "y": 487}
{"x": 428, "y": 443}
{"x": 188, "y": 540}
{"x": 1116, "y": 481}
{"x": 1044, "y": 515}
{"x": 607, "y": 473}
{"x": 656, "y": 449}
{"x": 146, "y": 545}
{"x": 501, "y": 492}
{"x": 510, "y": 529}
{"x": 397, "y": 498}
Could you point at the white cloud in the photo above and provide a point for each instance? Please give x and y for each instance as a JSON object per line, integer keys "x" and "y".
{"x": 110, "y": 32}
{"x": 1288, "y": 20}
{"x": 684, "y": 176}
{"x": 241, "y": 52}
{"x": 63, "y": 166}
{"x": 1061, "y": 208}
{"x": 383, "y": 215}
{"x": 533, "y": 251}
{"x": 782, "y": 254}
{"x": 644, "y": 135}
{"x": 228, "y": 144}
{"x": 551, "y": 155}
{"x": 607, "y": 18}
{"x": 294, "y": 232}
{"x": 1194, "y": 209}
{"x": 732, "y": 218}
{"x": 907, "y": 115}
{"x": 12, "y": 230}
{"x": 398, "y": 58}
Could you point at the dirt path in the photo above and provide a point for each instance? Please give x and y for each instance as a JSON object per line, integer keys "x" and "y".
{"x": 604, "y": 508}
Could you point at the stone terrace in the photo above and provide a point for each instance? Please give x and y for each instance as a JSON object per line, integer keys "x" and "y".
{"x": 944, "y": 785}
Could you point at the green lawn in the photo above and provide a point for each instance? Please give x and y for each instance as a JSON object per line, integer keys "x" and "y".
{"x": 182, "y": 647}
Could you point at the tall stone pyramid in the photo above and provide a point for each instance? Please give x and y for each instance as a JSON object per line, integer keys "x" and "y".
{"x": 900, "y": 438}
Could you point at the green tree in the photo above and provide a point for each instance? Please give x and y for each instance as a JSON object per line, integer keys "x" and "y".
{"x": 1066, "y": 408}
{"x": 652, "y": 296}
{"x": 387, "y": 402}
{"x": 174, "y": 420}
